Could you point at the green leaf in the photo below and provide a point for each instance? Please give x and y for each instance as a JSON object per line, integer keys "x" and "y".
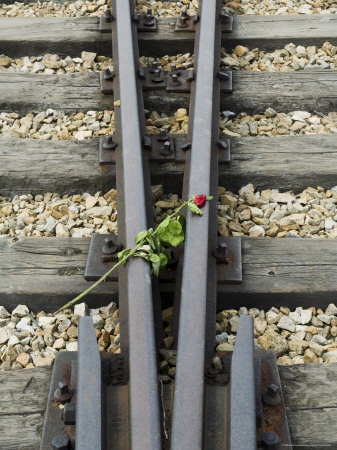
{"x": 172, "y": 234}
{"x": 154, "y": 258}
{"x": 140, "y": 236}
{"x": 163, "y": 259}
{"x": 163, "y": 224}
{"x": 123, "y": 253}
{"x": 195, "y": 209}
{"x": 209, "y": 198}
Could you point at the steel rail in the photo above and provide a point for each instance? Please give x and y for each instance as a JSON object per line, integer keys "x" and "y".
{"x": 242, "y": 389}
{"x": 198, "y": 278}
{"x": 89, "y": 389}
{"x": 134, "y": 197}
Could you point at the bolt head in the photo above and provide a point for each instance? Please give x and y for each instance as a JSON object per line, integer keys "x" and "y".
{"x": 61, "y": 442}
{"x": 270, "y": 441}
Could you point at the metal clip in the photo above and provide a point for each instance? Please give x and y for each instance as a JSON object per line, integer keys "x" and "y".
{"x": 109, "y": 144}
{"x": 183, "y": 19}
{"x": 147, "y": 144}
{"x": 168, "y": 148}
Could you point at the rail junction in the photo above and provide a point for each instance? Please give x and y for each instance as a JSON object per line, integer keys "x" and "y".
{"x": 115, "y": 400}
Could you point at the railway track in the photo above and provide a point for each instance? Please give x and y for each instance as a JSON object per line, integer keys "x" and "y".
{"x": 103, "y": 400}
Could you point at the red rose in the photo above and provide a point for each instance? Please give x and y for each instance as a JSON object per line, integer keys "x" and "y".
{"x": 200, "y": 200}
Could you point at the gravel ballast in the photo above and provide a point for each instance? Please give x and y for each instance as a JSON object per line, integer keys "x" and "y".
{"x": 57, "y": 125}
{"x": 29, "y": 340}
{"x": 269, "y": 213}
{"x": 289, "y": 58}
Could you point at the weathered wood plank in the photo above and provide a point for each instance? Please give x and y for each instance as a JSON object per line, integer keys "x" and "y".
{"x": 288, "y": 162}
{"x": 23, "y": 399}
{"x": 310, "y": 397}
{"x": 253, "y": 92}
{"x": 45, "y": 272}
{"x": 21, "y": 36}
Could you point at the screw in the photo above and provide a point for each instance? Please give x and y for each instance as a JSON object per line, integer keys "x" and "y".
{"x": 271, "y": 396}
{"x": 167, "y": 149}
{"x": 270, "y": 441}
{"x": 108, "y": 74}
{"x": 110, "y": 246}
{"x": 109, "y": 144}
{"x": 61, "y": 442}
{"x": 68, "y": 414}
{"x": 108, "y": 17}
{"x": 182, "y": 19}
{"x": 63, "y": 394}
{"x": 222, "y": 145}
{"x": 149, "y": 18}
{"x": 221, "y": 253}
{"x": 174, "y": 79}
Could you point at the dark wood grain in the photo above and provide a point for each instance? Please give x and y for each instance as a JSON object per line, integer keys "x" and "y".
{"x": 288, "y": 162}
{"x": 21, "y": 36}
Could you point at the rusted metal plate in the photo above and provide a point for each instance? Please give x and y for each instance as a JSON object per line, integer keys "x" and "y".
{"x": 161, "y": 148}
{"x": 231, "y": 271}
{"x": 189, "y": 23}
{"x": 144, "y": 22}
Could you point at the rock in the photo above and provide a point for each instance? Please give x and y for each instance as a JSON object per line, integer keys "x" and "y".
{"x": 61, "y": 230}
{"x": 331, "y": 310}
{"x": 5, "y": 334}
{"x": 39, "y": 361}
{"x": 22, "y": 326}
{"x": 316, "y": 348}
{"x": 227, "y": 199}
{"x": 98, "y": 321}
{"x": 324, "y": 318}
{"x": 318, "y": 339}
{"x": 107, "y": 311}
{"x": 306, "y": 315}
{"x": 157, "y": 192}
{"x": 23, "y": 359}
{"x": 90, "y": 202}
{"x": 272, "y": 340}
{"x": 234, "y": 323}
{"x": 296, "y": 316}
{"x": 100, "y": 211}
{"x": 169, "y": 355}
{"x": 270, "y": 112}
{"x": 59, "y": 344}
{"x": 72, "y": 331}
{"x": 9, "y": 355}
{"x": 272, "y": 317}
{"x": 104, "y": 339}
{"x": 260, "y": 326}
{"x": 13, "y": 340}
{"x": 88, "y": 59}
{"x": 38, "y": 344}
{"x": 286, "y": 323}
{"x": 46, "y": 321}
{"x": 20, "y": 311}
{"x": 297, "y": 346}
{"x": 225, "y": 347}
{"x": 50, "y": 224}
{"x": 81, "y": 310}
{"x": 4, "y": 314}
{"x": 72, "y": 346}
{"x": 217, "y": 363}
{"x": 64, "y": 325}
{"x": 221, "y": 337}
{"x": 257, "y": 231}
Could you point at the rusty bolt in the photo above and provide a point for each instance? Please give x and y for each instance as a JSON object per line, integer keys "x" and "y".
{"x": 183, "y": 19}
{"x": 61, "y": 442}
{"x": 270, "y": 441}
{"x": 68, "y": 414}
{"x": 221, "y": 253}
{"x": 62, "y": 393}
{"x": 271, "y": 396}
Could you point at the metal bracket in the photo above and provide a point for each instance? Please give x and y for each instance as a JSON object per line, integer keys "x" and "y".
{"x": 229, "y": 268}
{"x": 226, "y": 81}
{"x": 144, "y": 22}
{"x": 229, "y": 262}
{"x": 189, "y": 23}
{"x": 160, "y": 148}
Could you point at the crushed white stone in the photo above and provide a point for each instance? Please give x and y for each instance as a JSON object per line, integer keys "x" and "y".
{"x": 37, "y": 343}
{"x": 297, "y": 337}
{"x": 311, "y": 213}
{"x": 166, "y": 8}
